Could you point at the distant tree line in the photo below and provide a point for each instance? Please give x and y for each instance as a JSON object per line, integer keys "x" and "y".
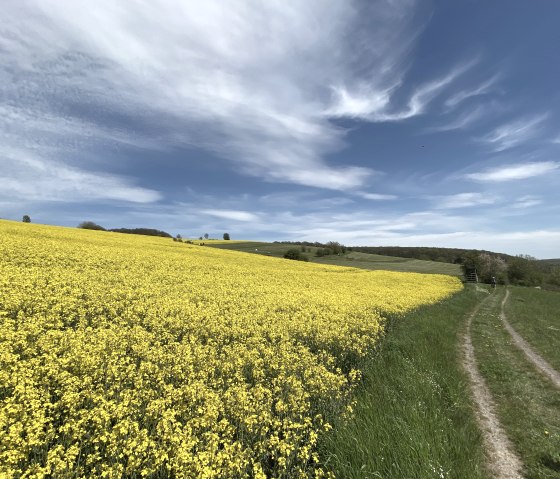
{"x": 443, "y": 255}
{"x": 522, "y": 270}
{"x": 90, "y": 225}
{"x": 321, "y": 249}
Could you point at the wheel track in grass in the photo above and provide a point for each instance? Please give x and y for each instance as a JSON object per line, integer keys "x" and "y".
{"x": 541, "y": 364}
{"x": 503, "y": 463}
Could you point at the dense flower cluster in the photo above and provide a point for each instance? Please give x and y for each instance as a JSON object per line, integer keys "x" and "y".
{"x": 130, "y": 356}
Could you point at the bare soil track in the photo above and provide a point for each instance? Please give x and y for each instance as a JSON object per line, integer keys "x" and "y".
{"x": 543, "y": 366}
{"x": 503, "y": 463}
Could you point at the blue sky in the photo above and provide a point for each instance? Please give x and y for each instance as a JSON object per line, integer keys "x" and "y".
{"x": 396, "y": 122}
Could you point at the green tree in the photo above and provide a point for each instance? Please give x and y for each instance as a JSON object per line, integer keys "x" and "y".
{"x": 26, "y": 219}
{"x": 90, "y": 225}
{"x": 295, "y": 254}
{"x": 226, "y": 236}
{"x": 523, "y": 270}
{"x": 336, "y": 247}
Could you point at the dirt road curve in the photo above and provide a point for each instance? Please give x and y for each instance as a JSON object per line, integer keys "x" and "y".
{"x": 503, "y": 462}
{"x": 537, "y": 360}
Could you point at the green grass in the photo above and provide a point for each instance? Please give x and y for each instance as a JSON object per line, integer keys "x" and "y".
{"x": 352, "y": 258}
{"x": 535, "y": 315}
{"x": 391, "y": 263}
{"x": 528, "y": 404}
{"x": 413, "y": 417}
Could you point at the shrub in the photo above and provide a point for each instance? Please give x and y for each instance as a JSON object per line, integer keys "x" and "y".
{"x": 295, "y": 254}
{"x": 90, "y": 225}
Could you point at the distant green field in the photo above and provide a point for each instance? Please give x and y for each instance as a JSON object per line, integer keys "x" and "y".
{"x": 352, "y": 258}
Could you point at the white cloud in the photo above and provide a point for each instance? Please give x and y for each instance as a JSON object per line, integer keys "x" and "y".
{"x": 518, "y": 171}
{"x": 32, "y": 179}
{"x": 250, "y": 82}
{"x": 484, "y": 88}
{"x": 514, "y": 133}
{"x": 232, "y": 215}
{"x": 462, "y": 121}
{"x": 464, "y": 200}
{"x": 526, "y": 202}
{"x": 375, "y": 196}
{"x": 367, "y": 103}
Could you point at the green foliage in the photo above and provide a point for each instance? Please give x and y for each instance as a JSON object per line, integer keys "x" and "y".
{"x": 26, "y": 219}
{"x": 486, "y": 265}
{"x": 295, "y": 254}
{"x": 141, "y": 231}
{"x": 524, "y": 271}
{"x": 226, "y": 237}
{"x": 90, "y": 225}
{"x": 335, "y": 247}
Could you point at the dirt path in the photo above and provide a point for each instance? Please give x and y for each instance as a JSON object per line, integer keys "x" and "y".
{"x": 535, "y": 358}
{"x": 503, "y": 462}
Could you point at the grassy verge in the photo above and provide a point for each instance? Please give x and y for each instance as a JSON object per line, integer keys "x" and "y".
{"x": 413, "y": 417}
{"x": 528, "y": 404}
{"x": 534, "y": 314}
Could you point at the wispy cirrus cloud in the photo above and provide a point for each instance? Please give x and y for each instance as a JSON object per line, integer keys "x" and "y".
{"x": 375, "y": 196}
{"x": 514, "y": 133}
{"x": 30, "y": 178}
{"x": 464, "y": 200}
{"x": 373, "y": 105}
{"x": 519, "y": 171}
{"x": 463, "y": 121}
{"x": 482, "y": 89}
{"x": 526, "y": 201}
{"x": 230, "y": 78}
{"x": 235, "y": 215}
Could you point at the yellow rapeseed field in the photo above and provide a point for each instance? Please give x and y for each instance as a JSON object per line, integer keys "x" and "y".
{"x": 131, "y": 356}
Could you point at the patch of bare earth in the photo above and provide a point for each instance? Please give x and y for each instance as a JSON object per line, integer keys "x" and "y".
{"x": 535, "y": 358}
{"x": 503, "y": 463}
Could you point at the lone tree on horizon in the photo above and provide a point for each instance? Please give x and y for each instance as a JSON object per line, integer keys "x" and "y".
{"x": 26, "y": 219}
{"x": 226, "y": 236}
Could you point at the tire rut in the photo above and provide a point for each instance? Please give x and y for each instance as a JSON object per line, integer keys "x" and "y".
{"x": 541, "y": 364}
{"x": 503, "y": 463}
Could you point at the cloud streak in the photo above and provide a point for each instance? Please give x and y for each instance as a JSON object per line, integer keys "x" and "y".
{"x": 464, "y": 200}
{"x": 235, "y": 215}
{"x": 369, "y": 104}
{"x": 514, "y": 133}
{"x": 519, "y": 171}
{"x": 33, "y": 179}
{"x": 244, "y": 81}
{"x": 463, "y": 121}
{"x": 256, "y": 84}
{"x": 484, "y": 88}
